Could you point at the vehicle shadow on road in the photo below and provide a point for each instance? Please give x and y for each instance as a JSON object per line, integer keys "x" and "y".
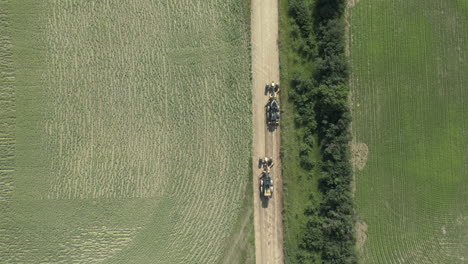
{"x": 264, "y": 201}
{"x": 271, "y": 127}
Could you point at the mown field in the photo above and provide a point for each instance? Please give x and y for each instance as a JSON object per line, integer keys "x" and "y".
{"x": 125, "y": 132}
{"x": 410, "y": 122}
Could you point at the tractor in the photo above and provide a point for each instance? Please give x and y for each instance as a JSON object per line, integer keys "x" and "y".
{"x": 272, "y": 88}
{"x": 272, "y": 107}
{"x": 266, "y": 183}
{"x": 266, "y": 163}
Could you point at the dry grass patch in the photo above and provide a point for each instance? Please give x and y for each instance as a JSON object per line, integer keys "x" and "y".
{"x": 361, "y": 234}
{"x": 359, "y": 152}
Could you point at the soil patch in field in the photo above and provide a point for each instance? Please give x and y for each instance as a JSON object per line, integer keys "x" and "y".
{"x": 359, "y": 152}
{"x": 361, "y": 234}
{"x": 352, "y": 3}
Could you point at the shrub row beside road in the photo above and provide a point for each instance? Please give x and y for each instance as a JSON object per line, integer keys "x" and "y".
{"x": 322, "y": 110}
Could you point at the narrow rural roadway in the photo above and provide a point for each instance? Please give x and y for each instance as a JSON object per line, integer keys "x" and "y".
{"x": 265, "y": 66}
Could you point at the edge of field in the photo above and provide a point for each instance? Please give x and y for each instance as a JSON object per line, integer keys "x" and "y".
{"x": 242, "y": 239}
{"x": 241, "y": 246}
{"x": 299, "y": 184}
{"x": 27, "y": 59}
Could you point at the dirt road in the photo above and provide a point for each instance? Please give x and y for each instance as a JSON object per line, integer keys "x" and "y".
{"x": 265, "y": 66}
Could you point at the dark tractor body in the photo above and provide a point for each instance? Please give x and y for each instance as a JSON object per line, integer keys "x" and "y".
{"x": 273, "y": 112}
{"x": 266, "y": 185}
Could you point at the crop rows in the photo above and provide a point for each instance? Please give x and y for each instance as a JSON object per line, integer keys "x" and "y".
{"x": 146, "y": 101}
{"x": 7, "y": 115}
{"x": 409, "y": 94}
{"x": 7, "y": 128}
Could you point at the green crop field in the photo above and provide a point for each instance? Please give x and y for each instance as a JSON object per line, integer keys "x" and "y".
{"x": 410, "y": 122}
{"x": 125, "y": 132}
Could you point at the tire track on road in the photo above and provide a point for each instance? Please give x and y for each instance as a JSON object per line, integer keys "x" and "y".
{"x": 265, "y": 67}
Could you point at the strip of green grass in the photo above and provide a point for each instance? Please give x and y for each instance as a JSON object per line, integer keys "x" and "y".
{"x": 409, "y": 90}
{"x": 242, "y": 248}
{"x": 299, "y": 184}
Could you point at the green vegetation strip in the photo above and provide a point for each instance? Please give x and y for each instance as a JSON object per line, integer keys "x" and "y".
{"x": 299, "y": 183}
{"x": 7, "y": 114}
{"x": 319, "y": 227}
{"x": 409, "y": 99}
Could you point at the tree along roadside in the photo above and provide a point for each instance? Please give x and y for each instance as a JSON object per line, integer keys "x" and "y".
{"x": 322, "y": 113}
